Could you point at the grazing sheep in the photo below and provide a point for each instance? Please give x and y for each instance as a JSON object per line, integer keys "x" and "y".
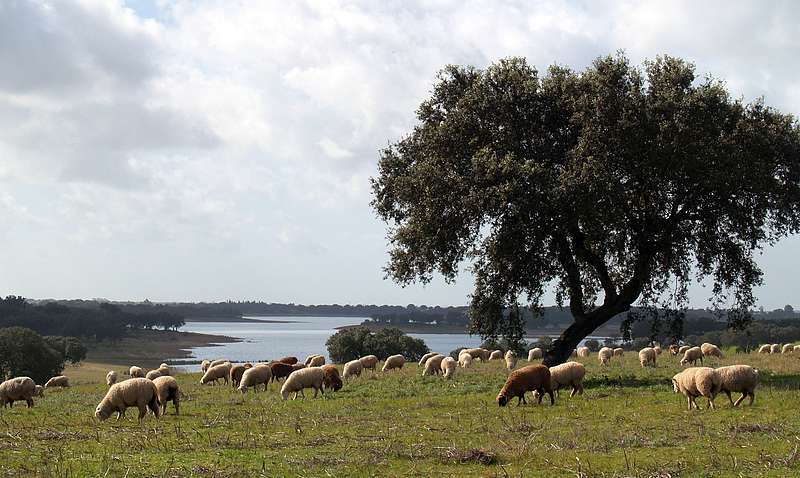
{"x": 369, "y": 362}
{"x": 511, "y": 359}
{"x": 331, "y": 379}
{"x": 764, "y": 349}
{"x": 254, "y": 376}
{"x": 618, "y": 352}
{"x": 710, "y": 350}
{"x": 531, "y": 378}
{"x": 465, "y": 360}
{"x": 317, "y": 361}
{"x": 695, "y": 382}
{"x": 583, "y": 352}
{"x": 288, "y": 360}
{"x": 673, "y": 349}
{"x": 311, "y": 377}
{"x": 217, "y": 372}
{"x": 281, "y": 370}
{"x": 163, "y": 369}
{"x": 167, "y": 391}
{"x": 309, "y": 359}
{"x": 476, "y": 353}
{"x": 214, "y": 363}
{"x": 569, "y": 374}
{"x": 787, "y": 348}
{"x": 797, "y": 348}
{"x": 39, "y": 391}
{"x": 17, "y": 389}
{"x": 738, "y": 378}
{"x": 775, "y": 349}
{"x": 448, "y": 367}
{"x": 111, "y": 378}
{"x": 428, "y": 355}
{"x": 136, "y": 372}
{"x": 298, "y": 366}
{"x": 136, "y": 392}
{"x": 647, "y": 356}
{"x": 433, "y": 365}
{"x": 683, "y": 348}
{"x": 534, "y": 353}
{"x": 152, "y": 375}
{"x": 204, "y": 366}
{"x": 237, "y": 371}
{"x": 657, "y": 349}
{"x": 352, "y": 368}
{"x": 604, "y": 355}
{"x": 496, "y": 355}
{"x": 393, "y": 362}
{"x": 692, "y": 355}
{"x": 57, "y": 381}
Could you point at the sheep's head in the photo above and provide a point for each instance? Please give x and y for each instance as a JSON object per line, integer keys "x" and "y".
{"x": 502, "y": 400}
{"x": 675, "y": 386}
{"x": 102, "y": 411}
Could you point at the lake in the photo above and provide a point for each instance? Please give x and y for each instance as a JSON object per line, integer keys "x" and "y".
{"x": 298, "y": 336}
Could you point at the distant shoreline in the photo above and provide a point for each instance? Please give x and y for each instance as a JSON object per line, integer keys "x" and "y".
{"x": 456, "y": 329}
{"x": 240, "y": 320}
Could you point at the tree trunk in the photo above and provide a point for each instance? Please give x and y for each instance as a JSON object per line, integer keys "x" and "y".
{"x": 561, "y": 348}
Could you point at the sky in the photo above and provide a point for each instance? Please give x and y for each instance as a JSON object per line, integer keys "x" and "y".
{"x": 221, "y": 149}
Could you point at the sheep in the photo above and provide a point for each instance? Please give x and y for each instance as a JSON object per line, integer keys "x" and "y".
{"x": 214, "y": 363}
{"x": 428, "y": 355}
{"x": 393, "y": 362}
{"x": 774, "y": 349}
{"x": 574, "y": 353}
{"x": 39, "y": 391}
{"x": 217, "y": 372}
{"x": 569, "y": 374}
{"x": 433, "y": 365}
{"x": 534, "y": 353}
{"x": 738, "y": 378}
{"x": 111, "y": 378}
{"x": 288, "y": 360}
{"x": 17, "y": 389}
{"x": 331, "y": 379}
{"x": 797, "y": 348}
{"x": 697, "y": 381}
{"x": 298, "y": 366}
{"x": 531, "y": 378}
{"x": 136, "y": 372}
{"x": 237, "y": 371}
{"x": 369, "y": 362}
{"x": 673, "y": 349}
{"x": 604, "y": 355}
{"x": 448, "y": 367}
{"x": 496, "y": 355}
{"x": 152, "y": 375}
{"x": 281, "y": 370}
{"x": 764, "y": 349}
{"x": 511, "y": 359}
{"x": 657, "y": 349}
{"x": 465, "y": 360}
{"x": 57, "y": 381}
{"x": 167, "y": 391}
{"x": 476, "y": 353}
{"x": 683, "y": 348}
{"x": 583, "y": 351}
{"x": 647, "y": 356}
{"x": 787, "y": 348}
{"x": 163, "y": 369}
{"x": 136, "y": 392}
{"x": 692, "y": 355}
{"x": 204, "y": 366}
{"x": 309, "y": 359}
{"x": 317, "y": 361}
{"x": 254, "y": 376}
{"x": 311, "y": 377}
{"x": 618, "y": 352}
{"x": 352, "y": 368}
{"x": 710, "y": 350}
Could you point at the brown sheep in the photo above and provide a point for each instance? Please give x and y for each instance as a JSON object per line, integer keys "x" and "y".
{"x": 298, "y": 366}
{"x": 280, "y": 370}
{"x": 288, "y": 360}
{"x": 526, "y": 379}
{"x": 331, "y": 379}
{"x": 236, "y": 373}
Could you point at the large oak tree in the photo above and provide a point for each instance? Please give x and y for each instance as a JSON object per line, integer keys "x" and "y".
{"x": 614, "y": 185}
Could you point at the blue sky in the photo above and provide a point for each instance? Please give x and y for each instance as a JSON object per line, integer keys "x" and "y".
{"x": 216, "y": 149}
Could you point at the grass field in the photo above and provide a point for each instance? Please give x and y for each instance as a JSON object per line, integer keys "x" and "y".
{"x": 628, "y": 423}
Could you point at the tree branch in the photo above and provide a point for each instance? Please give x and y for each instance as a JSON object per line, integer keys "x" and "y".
{"x": 597, "y": 263}
{"x": 567, "y": 261}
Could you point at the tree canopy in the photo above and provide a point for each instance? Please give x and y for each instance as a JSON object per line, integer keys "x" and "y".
{"x": 614, "y": 184}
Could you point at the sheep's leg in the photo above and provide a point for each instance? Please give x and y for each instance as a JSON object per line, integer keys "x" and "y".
{"x": 728, "y": 393}
{"x": 29, "y": 401}
{"x": 142, "y": 411}
{"x": 741, "y": 399}
{"x": 552, "y": 400}
{"x": 573, "y": 392}
{"x": 315, "y": 392}
{"x": 689, "y": 402}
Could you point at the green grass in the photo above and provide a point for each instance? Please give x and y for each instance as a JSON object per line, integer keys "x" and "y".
{"x": 628, "y": 423}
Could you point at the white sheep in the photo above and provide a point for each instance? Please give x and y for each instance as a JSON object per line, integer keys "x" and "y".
{"x": 534, "y": 353}
{"x": 569, "y": 374}
{"x": 57, "y": 381}
{"x": 710, "y": 350}
{"x": 583, "y": 352}
{"x": 619, "y": 352}
{"x": 682, "y": 349}
{"x": 647, "y": 356}
{"x": 511, "y": 359}
{"x": 317, "y": 361}
{"x": 221, "y": 371}
{"x": 254, "y": 376}
{"x": 738, "y": 378}
{"x": 787, "y": 348}
{"x": 136, "y": 372}
{"x": 299, "y": 380}
{"x": 352, "y": 368}
{"x": 167, "y": 390}
{"x": 496, "y": 355}
{"x": 433, "y": 365}
{"x": 152, "y": 375}
{"x": 39, "y": 391}
{"x": 764, "y": 349}
{"x": 692, "y": 355}
{"x": 797, "y": 348}
{"x": 218, "y": 362}
{"x": 695, "y": 382}
{"x": 369, "y": 362}
{"x": 309, "y": 359}
{"x": 448, "y": 367}
{"x": 393, "y": 362}
{"x": 657, "y": 349}
{"x": 476, "y": 353}
{"x": 604, "y": 355}
{"x": 164, "y": 370}
{"x": 465, "y": 360}
{"x": 136, "y": 392}
{"x": 111, "y": 378}
{"x": 775, "y": 349}
{"x": 17, "y": 389}
{"x": 205, "y": 365}
{"x": 428, "y": 355}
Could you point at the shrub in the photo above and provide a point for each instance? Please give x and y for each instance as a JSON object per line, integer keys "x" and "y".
{"x": 24, "y": 353}
{"x": 593, "y": 345}
{"x": 350, "y": 344}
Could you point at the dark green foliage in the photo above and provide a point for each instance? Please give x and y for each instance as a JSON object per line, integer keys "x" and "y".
{"x": 593, "y": 345}
{"x": 24, "y": 353}
{"x": 71, "y": 348}
{"x": 350, "y": 344}
{"x": 454, "y": 353}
